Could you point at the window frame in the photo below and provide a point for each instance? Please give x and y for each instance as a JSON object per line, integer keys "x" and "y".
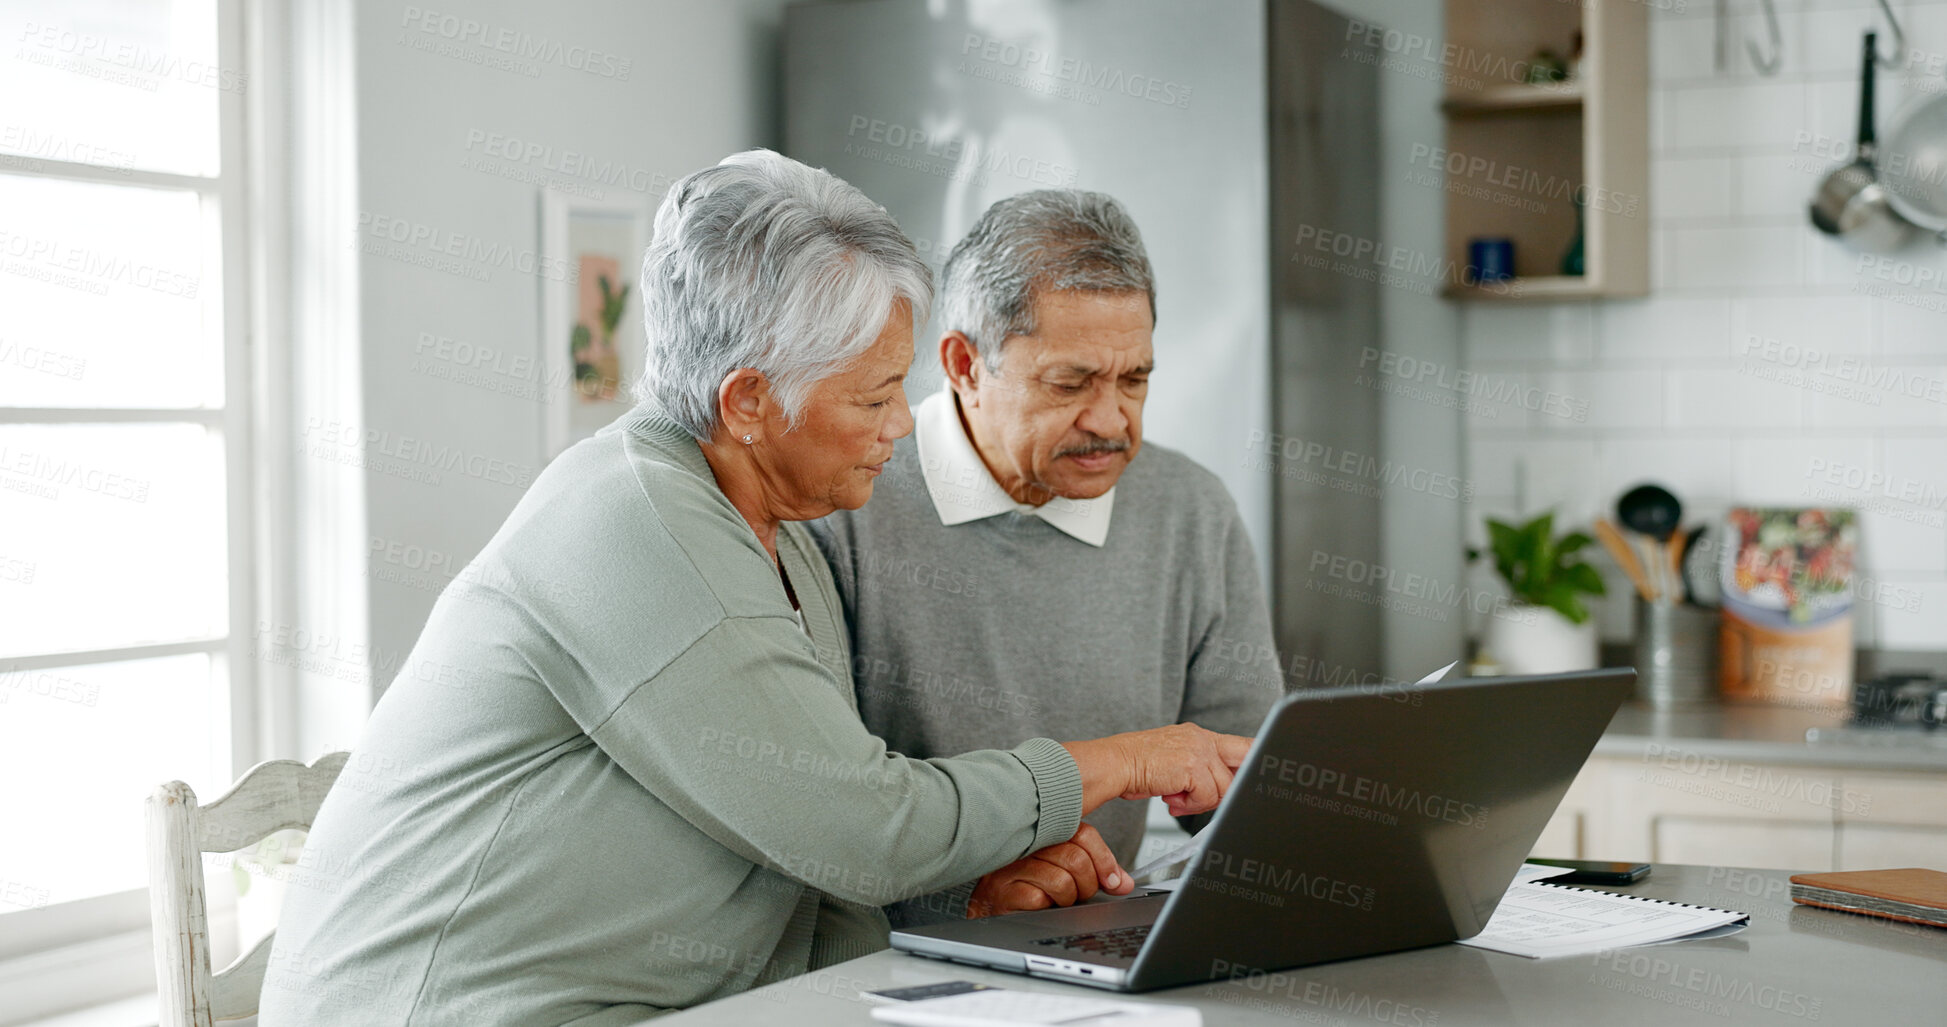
{"x": 75, "y": 953}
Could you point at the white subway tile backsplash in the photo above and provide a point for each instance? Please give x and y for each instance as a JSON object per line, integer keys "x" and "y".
{"x": 1829, "y": 40}
{"x": 1536, "y": 474}
{"x": 1769, "y": 112}
{"x": 1556, "y": 333}
{"x": 1691, "y": 466}
{"x": 1901, "y": 539}
{"x": 1861, "y": 393}
{"x": 1779, "y": 185}
{"x": 1802, "y": 470}
{"x": 1690, "y": 187}
{"x": 1906, "y": 329}
{"x": 1598, "y": 399}
{"x": 1722, "y": 259}
{"x": 1663, "y": 328}
{"x": 1795, "y": 330}
{"x": 1742, "y": 398}
{"x": 1913, "y": 614}
{"x": 1770, "y": 364}
{"x": 1682, "y": 50}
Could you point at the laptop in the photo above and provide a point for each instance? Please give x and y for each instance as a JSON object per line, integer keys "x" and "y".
{"x": 1363, "y": 821}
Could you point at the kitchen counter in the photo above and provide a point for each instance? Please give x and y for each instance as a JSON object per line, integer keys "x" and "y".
{"x": 1792, "y": 964}
{"x": 1759, "y": 733}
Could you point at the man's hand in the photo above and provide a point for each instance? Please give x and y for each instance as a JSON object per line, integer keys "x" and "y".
{"x": 1190, "y": 768}
{"x": 1059, "y": 875}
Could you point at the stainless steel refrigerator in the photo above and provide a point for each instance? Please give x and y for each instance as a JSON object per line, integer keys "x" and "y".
{"x": 1229, "y": 129}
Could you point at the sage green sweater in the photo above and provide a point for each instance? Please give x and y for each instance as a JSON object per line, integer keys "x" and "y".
{"x": 615, "y": 777}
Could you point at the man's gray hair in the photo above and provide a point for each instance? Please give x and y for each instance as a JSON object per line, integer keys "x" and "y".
{"x": 1051, "y": 240}
{"x": 765, "y": 263}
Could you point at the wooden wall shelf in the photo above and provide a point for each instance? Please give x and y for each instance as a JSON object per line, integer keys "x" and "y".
{"x": 1519, "y": 156}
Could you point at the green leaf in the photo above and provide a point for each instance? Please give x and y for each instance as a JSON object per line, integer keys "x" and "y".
{"x": 1584, "y": 577}
{"x": 1542, "y": 570}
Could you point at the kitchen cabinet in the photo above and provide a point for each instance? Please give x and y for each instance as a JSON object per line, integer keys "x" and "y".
{"x": 1688, "y": 806}
{"x": 1519, "y": 157}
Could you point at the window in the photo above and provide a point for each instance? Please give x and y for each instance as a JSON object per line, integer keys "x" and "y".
{"x": 125, "y": 527}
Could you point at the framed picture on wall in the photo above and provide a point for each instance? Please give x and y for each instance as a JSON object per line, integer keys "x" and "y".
{"x": 591, "y": 321}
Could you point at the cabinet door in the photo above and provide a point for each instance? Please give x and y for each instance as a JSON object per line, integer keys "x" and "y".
{"x": 1741, "y": 842}
{"x": 1892, "y": 820}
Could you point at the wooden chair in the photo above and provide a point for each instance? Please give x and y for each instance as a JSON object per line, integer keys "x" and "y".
{"x": 271, "y": 797}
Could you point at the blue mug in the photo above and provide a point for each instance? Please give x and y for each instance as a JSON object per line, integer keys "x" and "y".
{"x": 1490, "y": 259}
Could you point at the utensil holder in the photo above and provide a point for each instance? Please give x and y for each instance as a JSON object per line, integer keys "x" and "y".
{"x": 1676, "y": 654}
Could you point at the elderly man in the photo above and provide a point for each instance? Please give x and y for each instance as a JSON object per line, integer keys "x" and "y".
{"x": 1020, "y": 572}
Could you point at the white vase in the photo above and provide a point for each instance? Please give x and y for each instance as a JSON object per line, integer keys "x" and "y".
{"x": 1526, "y": 639}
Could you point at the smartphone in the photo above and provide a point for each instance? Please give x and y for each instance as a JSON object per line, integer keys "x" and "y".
{"x": 1595, "y": 871}
{"x": 924, "y": 991}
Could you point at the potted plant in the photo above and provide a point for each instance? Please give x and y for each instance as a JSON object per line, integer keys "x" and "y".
{"x": 1546, "y": 629}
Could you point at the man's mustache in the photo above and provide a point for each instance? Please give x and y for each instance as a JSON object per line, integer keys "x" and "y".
{"x": 1092, "y": 448}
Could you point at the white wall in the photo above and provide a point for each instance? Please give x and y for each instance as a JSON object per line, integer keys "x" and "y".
{"x": 1707, "y": 385}
{"x": 699, "y": 84}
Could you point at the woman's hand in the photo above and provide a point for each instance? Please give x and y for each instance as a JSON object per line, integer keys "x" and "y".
{"x": 1189, "y": 767}
{"x": 1059, "y": 875}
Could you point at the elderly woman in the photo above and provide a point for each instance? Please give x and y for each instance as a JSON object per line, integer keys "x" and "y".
{"x": 623, "y": 772}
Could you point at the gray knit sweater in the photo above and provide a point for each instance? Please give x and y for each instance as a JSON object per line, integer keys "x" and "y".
{"x": 989, "y": 633}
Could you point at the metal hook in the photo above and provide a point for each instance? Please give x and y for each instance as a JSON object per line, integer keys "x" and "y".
{"x": 1769, "y": 66}
{"x": 1891, "y": 62}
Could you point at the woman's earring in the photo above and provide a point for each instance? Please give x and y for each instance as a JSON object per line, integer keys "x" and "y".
{"x": 747, "y": 440}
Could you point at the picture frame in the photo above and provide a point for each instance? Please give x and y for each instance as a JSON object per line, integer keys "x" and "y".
{"x": 591, "y": 333}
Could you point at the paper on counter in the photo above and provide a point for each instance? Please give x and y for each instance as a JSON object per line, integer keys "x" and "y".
{"x": 1539, "y": 920}
{"x": 1438, "y": 675}
{"x": 1537, "y": 872}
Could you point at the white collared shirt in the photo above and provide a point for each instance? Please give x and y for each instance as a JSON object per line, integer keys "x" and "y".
{"x": 964, "y": 490}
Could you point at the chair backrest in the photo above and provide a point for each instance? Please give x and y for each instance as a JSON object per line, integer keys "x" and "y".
{"x": 270, "y": 797}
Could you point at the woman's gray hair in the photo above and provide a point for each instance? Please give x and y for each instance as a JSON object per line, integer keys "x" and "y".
{"x": 1052, "y": 240}
{"x": 765, "y": 263}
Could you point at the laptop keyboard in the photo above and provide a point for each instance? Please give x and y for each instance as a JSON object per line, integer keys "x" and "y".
{"x": 1121, "y": 942}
